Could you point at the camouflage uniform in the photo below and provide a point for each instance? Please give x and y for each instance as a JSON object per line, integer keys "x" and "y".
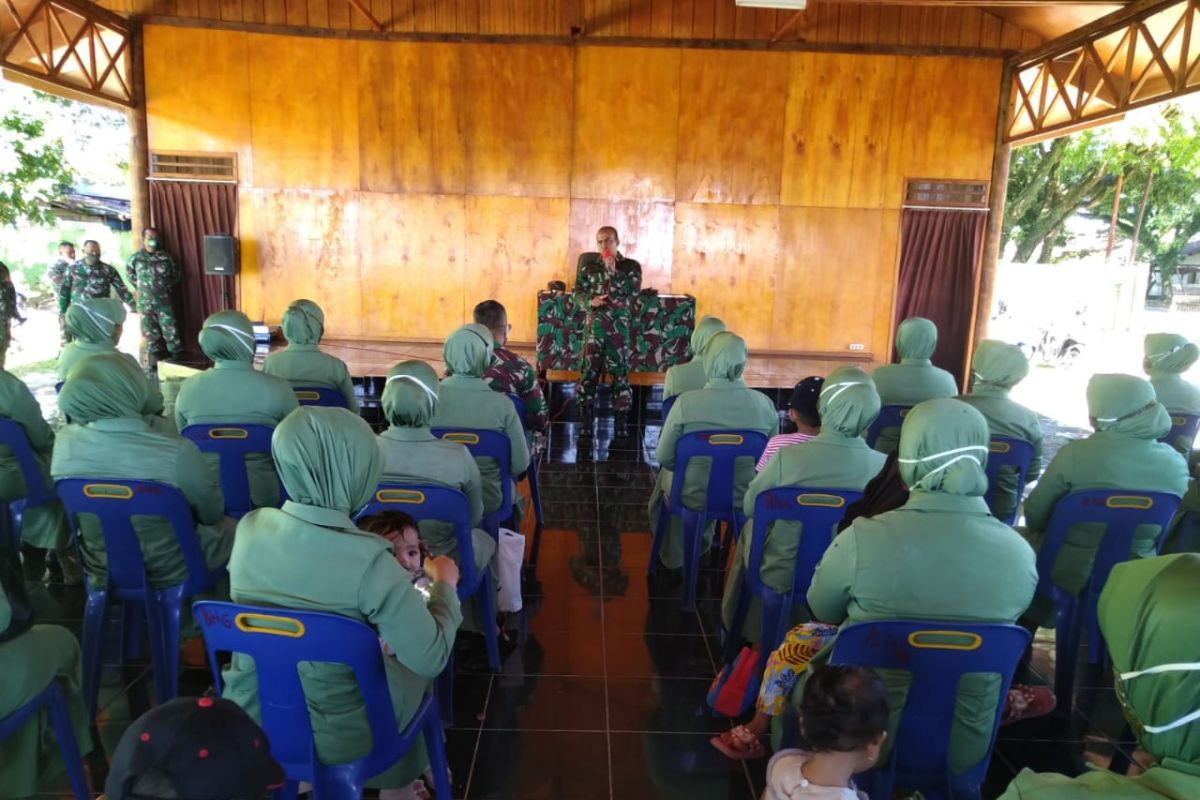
{"x": 8, "y": 312}
{"x": 154, "y": 275}
{"x": 511, "y": 374}
{"x": 55, "y": 274}
{"x": 607, "y": 346}
{"x": 82, "y": 282}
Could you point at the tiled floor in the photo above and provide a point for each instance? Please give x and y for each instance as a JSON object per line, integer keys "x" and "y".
{"x": 602, "y": 691}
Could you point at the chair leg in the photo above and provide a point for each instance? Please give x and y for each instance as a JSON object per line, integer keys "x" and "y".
{"x": 445, "y": 690}
{"x": 1066, "y": 654}
{"x": 693, "y": 534}
{"x": 733, "y": 636}
{"x": 485, "y": 596}
{"x": 93, "y": 649}
{"x": 64, "y": 731}
{"x": 660, "y": 532}
{"x": 166, "y": 665}
{"x": 435, "y": 747}
{"x": 1096, "y": 649}
{"x": 535, "y": 496}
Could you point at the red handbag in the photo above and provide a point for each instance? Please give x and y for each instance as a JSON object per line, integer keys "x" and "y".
{"x": 731, "y": 691}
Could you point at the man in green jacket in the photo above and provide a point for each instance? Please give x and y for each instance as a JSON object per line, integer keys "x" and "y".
{"x": 690, "y": 375}
{"x": 915, "y": 378}
{"x": 302, "y": 363}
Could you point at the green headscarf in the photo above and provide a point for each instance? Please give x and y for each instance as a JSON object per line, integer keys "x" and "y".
{"x": 999, "y": 364}
{"x": 327, "y": 457}
{"x": 1169, "y": 354}
{"x": 706, "y": 329}
{"x": 848, "y": 402}
{"x": 468, "y": 351}
{"x": 1148, "y": 616}
{"x": 227, "y": 336}
{"x": 104, "y": 386}
{"x": 410, "y": 396}
{"x": 95, "y": 320}
{"x": 725, "y": 357}
{"x": 303, "y": 322}
{"x": 944, "y": 447}
{"x": 916, "y": 339}
{"x": 1128, "y": 405}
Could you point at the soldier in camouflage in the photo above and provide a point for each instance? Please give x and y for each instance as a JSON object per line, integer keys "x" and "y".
{"x": 66, "y": 257}
{"x": 91, "y": 278}
{"x": 154, "y": 275}
{"x": 509, "y": 373}
{"x": 8, "y": 311}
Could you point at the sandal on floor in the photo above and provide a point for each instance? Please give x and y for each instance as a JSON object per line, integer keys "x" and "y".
{"x": 739, "y": 744}
{"x": 1027, "y": 702}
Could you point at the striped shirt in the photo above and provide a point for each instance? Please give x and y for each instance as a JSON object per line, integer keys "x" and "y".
{"x": 782, "y": 440}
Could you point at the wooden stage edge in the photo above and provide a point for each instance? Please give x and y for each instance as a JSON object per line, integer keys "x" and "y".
{"x": 765, "y": 370}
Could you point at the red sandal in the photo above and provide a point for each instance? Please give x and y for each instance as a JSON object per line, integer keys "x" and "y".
{"x": 740, "y": 744}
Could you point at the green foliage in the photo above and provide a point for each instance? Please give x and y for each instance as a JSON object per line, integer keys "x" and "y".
{"x": 33, "y": 169}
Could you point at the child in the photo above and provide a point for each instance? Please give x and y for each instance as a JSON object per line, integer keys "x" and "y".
{"x": 843, "y": 722}
{"x": 804, "y": 416}
{"x": 401, "y": 530}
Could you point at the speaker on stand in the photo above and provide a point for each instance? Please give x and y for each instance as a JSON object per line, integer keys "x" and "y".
{"x": 221, "y": 260}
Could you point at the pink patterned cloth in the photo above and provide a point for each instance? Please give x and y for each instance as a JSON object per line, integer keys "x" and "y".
{"x": 782, "y": 440}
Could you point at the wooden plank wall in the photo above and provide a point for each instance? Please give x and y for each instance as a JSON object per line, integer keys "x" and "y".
{"x": 398, "y": 183}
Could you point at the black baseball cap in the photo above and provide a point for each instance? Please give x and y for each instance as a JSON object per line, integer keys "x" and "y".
{"x": 805, "y": 396}
{"x": 207, "y": 748}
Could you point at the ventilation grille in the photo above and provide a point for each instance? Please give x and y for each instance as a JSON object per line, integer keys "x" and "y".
{"x": 946, "y": 194}
{"x": 170, "y": 165}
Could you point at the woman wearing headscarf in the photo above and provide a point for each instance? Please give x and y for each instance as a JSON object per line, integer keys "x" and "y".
{"x": 411, "y": 454}
{"x": 1168, "y": 356}
{"x": 1123, "y": 454}
{"x": 308, "y": 555}
{"x": 302, "y": 363}
{"x": 690, "y": 375}
{"x": 998, "y": 367}
{"x": 1147, "y": 614}
{"x": 465, "y": 400}
{"x": 109, "y": 438}
{"x": 725, "y": 403}
{"x": 915, "y": 378}
{"x": 233, "y": 393}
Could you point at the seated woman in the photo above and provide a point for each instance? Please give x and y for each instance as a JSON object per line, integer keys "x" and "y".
{"x": 310, "y": 556}
{"x": 1123, "y": 453}
{"x": 725, "y": 403}
{"x": 998, "y": 367}
{"x": 301, "y": 363}
{"x": 411, "y": 454}
{"x": 837, "y": 458}
{"x": 690, "y": 375}
{"x": 108, "y": 438}
{"x": 1148, "y": 617}
{"x": 1168, "y": 356}
{"x": 915, "y": 378}
{"x": 233, "y": 392}
{"x": 465, "y": 400}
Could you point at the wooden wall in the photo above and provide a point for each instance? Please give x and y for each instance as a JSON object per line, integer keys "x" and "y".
{"x": 399, "y": 183}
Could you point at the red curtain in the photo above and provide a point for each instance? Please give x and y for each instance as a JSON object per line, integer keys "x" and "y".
{"x": 939, "y": 256}
{"x": 183, "y": 213}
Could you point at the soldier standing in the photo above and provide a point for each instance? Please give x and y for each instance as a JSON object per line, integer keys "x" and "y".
{"x": 606, "y": 284}
{"x": 91, "y": 278}
{"x": 66, "y": 257}
{"x": 154, "y": 274}
{"x": 8, "y": 311}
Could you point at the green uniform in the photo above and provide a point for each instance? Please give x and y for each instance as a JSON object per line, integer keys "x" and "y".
{"x": 302, "y": 363}
{"x": 1122, "y": 454}
{"x": 837, "y": 458}
{"x": 233, "y": 392}
{"x": 310, "y": 556}
{"x": 998, "y": 367}
{"x": 606, "y": 346}
{"x": 941, "y": 556}
{"x": 108, "y": 438}
{"x": 725, "y": 403}
{"x": 411, "y": 454}
{"x": 466, "y": 401}
{"x": 8, "y": 312}
{"x": 154, "y": 275}
{"x": 915, "y": 378}
{"x": 1148, "y": 617}
{"x": 43, "y": 526}
{"x": 690, "y": 375}
{"x": 83, "y": 280}
{"x": 1168, "y": 356}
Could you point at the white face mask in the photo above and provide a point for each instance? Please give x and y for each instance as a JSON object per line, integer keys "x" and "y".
{"x": 430, "y": 393}
{"x": 98, "y": 318}
{"x": 244, "y": 339}
{"x": 840, "y": 387}
{"x": 959, "y": 453}
{"x": 1160, "y": 669}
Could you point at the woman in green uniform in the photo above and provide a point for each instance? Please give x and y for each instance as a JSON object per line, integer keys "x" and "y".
{"x": 685, "y": 377}
{"x": 302, "y": 363}
{"x": 95, "y": 326}
{"x": 915, "y": 378}
{"x": 233, "y": 392}
{"x": 1168, "y": 356}
{"x": 310, "y": 556}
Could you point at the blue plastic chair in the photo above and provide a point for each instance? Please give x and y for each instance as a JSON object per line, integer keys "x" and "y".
{"x": 232, "y": 443}
{"x": 723, "y": 448}
{"x": 889, "y": 417}
{"x": 668, "y": 404}
{"x": 1004, "y": 451}
{"x": 320, "y": 396}
{"x": 279, "y": 641}
{"x": 1183, "y": 426}
{"x": 488, "y": 444}
{"x": 535, "y": 494}
{"x": 819, "y": 511}
{"x": 936, "y": 655}
{"x": 37, "y": 490}
{"x": 1121, "y": 513}
{"x": 115, "y": 503}
{"x": 55, "y": 702}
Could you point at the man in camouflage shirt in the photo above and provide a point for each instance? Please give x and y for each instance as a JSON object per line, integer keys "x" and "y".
{"x": 8, "y": 311}
{"x": 66, "y": 257}
{"x": 153, "y": 274}
{"x": 509, "y": 373}
{"x": 91, "y": 278}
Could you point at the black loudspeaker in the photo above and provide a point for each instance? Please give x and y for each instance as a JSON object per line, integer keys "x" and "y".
{"x": 220, "y": 254}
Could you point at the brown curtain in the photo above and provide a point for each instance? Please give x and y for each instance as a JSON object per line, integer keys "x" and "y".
{"x": 939, "y": 254}
{"x": 183, "y": 213}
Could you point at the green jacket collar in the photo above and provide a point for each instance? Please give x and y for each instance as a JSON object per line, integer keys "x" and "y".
{"x": 96, "y": 347}
{"x": 942, "y": 501}
{"x": 243, "y": 365}
{"x": 467, "y": 382}
{"x": 839, "y": 439}
{"x": 120, "y": 424}
{"x": 982, "y": 389}
{"x": 396, "y": 434}
{"x": 916, "y": 362}
{"x": 325, "y": 517}
{"x": 303, "y": 348}
{"x": 725, "y": 383}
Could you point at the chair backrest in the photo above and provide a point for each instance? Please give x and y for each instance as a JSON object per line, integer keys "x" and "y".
{"x": 115, "y": 503}
{"x": 1121, "y": 512}
{"x": 320, "y": 396}
{"x": 519, "y": 406}
{"x": 1184, "y": 428}
{"x": 889, "y": 417}
{"x": 231, "y": 444}
{"x": 1005, "y": 451}
{"x": 279, "y": 640}
{"x": 936, "y": 655}
{"x": 724, "y": 448}
{"x": 37, "y": 489}
{"x": 818, "y": 510}
{"x": 668, "y": 404}
{"x": 486, "y": 444}
{"x": 58, "y": 387}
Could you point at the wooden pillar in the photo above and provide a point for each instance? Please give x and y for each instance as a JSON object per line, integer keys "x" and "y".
{"x": 139, "y": 152}
{"x": 995, "y": 223}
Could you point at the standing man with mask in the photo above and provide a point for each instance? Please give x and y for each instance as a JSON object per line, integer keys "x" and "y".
{"x": 606, "y": 284}
{"x": 91, "y": 278}
{"x": 153, "y": 274}
{"x": 66, "y": 257}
